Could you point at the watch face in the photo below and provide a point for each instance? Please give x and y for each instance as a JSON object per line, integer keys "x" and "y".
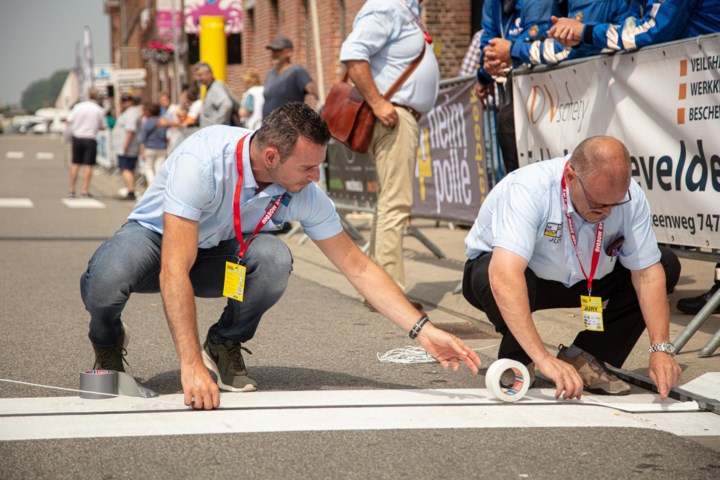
{"x": 670, "y": 348}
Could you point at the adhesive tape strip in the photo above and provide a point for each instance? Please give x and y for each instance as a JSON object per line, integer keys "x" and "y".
{"x": 520, "y": 385}
{"x": 99, "y": 381}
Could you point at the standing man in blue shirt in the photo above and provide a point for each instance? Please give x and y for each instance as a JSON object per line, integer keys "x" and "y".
{"x": 206, "y": 211}
{"x": 386, "y": 38}
{"x": 568, "y": 232}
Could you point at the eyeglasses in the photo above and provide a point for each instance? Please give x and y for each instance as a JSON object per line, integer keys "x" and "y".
{"x": 598, "y": 206}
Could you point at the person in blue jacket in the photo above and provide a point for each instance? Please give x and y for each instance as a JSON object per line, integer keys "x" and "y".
{"x": 547, "y": 51}
{"x": 650, "y": 22}
{"x": 503, "y": 23}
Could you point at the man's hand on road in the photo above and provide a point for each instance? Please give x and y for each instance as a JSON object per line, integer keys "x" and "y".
{"x": 201, "y": 391}
{"x": 564, "y": 375}
{"x": 448, "y": 349}
{"x": 665, "y": 372}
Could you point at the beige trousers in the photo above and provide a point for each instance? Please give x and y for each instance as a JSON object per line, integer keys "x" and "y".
{"x": 394, "y": 152}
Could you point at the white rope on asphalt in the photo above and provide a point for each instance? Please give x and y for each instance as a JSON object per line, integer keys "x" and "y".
{"x": 414, "y": 354}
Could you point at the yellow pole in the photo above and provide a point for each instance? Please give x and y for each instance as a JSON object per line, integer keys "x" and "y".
{"x": 213, "y": 45}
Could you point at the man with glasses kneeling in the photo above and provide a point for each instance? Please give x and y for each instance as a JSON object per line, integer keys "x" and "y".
{"x": 575, "y": 231}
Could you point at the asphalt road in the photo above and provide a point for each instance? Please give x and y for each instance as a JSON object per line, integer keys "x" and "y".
{"x": 315, "y": 339}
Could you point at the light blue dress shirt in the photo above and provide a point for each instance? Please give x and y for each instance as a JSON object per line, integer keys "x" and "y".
{"x": 386, "y": 36}
{"x": 198, "y": 182}
{"x": 524, "y": 213}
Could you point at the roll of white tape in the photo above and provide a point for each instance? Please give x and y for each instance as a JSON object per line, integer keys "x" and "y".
{"x": 520, "y": 385}
{"x": 103, "y": 382}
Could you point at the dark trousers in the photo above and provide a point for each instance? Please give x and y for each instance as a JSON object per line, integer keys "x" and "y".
{"x": 622, "y": 317}
{"x": 506, "y": 127}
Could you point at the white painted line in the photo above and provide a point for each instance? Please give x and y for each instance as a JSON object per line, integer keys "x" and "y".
{"x": 16, "y": 203}
{"x": 82, "y": 203}
{"x": 15, "y": 155}
{"x": 44, "y": 155}
{"x": 707, "y": 385}
{"x": 73, "y": 417}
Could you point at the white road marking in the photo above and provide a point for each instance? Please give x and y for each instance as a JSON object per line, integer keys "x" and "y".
{"x": 15, "y": 155}
{"x": 16, "y": 203}
{"x": 82, "y": 203}
{"x": 73, "y": 417}
{"x": 44, "y": 155}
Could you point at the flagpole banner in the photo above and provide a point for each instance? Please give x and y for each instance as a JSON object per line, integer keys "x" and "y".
{"x": 662, "y": 102}
{"x": 451, "y": 179}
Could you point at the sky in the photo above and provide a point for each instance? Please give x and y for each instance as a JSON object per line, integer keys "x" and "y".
{"x": 38, "y": 38}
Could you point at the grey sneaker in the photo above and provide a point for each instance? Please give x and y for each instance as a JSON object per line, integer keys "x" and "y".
{"x": 507, "y": 379}
{"x": 226, "y": 362}
{"x": 112, "y": 358}
{"x": 595, "y": 376}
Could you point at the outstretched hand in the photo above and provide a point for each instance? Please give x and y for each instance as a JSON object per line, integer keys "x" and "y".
{"x": 448, "y": 349}
{"x": 665, "y": 372}
{"x": 201, "y": 391}
{"x": 568, "y": 383}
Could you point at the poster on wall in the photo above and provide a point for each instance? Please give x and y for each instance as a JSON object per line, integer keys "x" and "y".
{"x": 230, "y": 9}
{"x": 663, "y": 103}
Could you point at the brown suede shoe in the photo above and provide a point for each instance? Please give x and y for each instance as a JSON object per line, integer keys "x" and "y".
{"x": 595, "y": 376}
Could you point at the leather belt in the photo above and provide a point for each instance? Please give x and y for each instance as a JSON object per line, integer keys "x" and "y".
{"x": 412, "y": 111}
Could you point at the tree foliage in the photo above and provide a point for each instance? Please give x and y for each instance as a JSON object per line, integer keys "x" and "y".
{"x": 43, "y": 93}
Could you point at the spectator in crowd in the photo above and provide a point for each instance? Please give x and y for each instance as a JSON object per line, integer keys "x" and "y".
{"x": 126, "y": 142}
{"x": 179, "y": 240}
{"x": 153, "y": 141}
{"x": 219, "y": 104}
{"x": 387, "y": 37}
{"x": 471, "y": 61}
{"x": 169, "y": 118}
{"x": 568, "y": 232}
{"x": 503, "y": 22}
{"x": 693, "y": 305}
{"x": 251, "y": 104}
{"x": 187, "y": 118}
{"x": 286, "y": 81}
{"x": 649, "y": 22}
{"x": 85, "y": 120}
{"x": 547, "y": 51}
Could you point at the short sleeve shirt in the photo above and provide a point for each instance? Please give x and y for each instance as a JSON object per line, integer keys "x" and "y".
{"x": 284, "y": 87}
{"x": 525, "y": 214}
{"x": 198, "y": 182}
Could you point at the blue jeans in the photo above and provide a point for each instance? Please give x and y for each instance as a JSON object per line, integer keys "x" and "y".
{"x": 129, "y": 262}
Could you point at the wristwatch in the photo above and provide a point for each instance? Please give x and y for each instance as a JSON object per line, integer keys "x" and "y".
{"x": 665, "y": 347}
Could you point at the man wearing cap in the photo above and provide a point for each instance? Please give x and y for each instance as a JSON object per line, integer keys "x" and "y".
{"x": 204, "y": 228}
{"x": 286, "y": 81}
{"x": 387, "y": 37}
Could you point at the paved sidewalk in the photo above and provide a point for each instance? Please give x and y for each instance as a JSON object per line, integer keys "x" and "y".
{"x": 431, "y": 281}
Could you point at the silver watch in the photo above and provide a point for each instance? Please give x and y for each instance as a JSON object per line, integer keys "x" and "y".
{"x": 665, "y": 347}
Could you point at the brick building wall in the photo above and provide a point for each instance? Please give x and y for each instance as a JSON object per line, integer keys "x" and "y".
{"x": 448, "y": 21}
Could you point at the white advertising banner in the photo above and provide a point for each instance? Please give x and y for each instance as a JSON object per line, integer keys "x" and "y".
{"x": 663, "y": 103}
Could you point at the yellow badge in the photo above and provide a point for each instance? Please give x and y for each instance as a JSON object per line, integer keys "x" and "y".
{"x": 234, "y": 286}
{"x": 592, "y": 313}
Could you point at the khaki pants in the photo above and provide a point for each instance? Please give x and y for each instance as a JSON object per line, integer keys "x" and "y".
{"x": 394, "y": 152}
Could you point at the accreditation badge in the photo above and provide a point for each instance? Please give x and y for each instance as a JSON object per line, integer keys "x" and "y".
{"x": 234, "y": 286}
{"x": 592, "y": 313}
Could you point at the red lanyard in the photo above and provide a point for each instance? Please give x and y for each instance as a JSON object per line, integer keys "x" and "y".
{"x": 573, "y": 237}
{"x": 420, "y": 25}
{"x": 236, "y": 204}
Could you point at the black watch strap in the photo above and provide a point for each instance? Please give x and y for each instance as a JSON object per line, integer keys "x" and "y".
{"x": 415, "y": 330}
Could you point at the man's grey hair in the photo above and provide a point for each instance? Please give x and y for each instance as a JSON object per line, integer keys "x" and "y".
{"x": 202, "y": 66}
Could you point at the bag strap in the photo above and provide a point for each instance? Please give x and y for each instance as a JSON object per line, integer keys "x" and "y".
{"x": 403, "y": 76}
